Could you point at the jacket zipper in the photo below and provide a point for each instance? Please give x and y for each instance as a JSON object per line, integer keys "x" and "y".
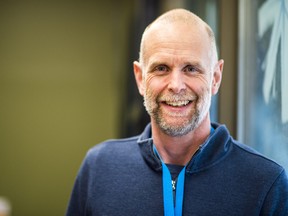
{"x": 174, "y": 182}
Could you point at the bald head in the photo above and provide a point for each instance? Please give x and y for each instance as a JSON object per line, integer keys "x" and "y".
{"x": 173, "y": 17}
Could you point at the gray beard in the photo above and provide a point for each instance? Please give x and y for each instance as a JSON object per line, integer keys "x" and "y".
{"x": 185, "y": 127}
{"x": 177, "y": 131}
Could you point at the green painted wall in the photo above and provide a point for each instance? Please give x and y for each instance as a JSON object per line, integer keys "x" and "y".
{"x": 62, "y": 76}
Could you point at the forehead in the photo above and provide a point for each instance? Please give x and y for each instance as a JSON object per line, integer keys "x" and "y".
{"x": 177, "y": 40}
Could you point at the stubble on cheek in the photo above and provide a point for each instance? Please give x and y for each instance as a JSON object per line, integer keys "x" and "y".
{"x": 150, "y": 103}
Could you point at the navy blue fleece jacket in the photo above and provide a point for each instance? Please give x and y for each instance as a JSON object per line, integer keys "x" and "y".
{"x": 124, "y": 177}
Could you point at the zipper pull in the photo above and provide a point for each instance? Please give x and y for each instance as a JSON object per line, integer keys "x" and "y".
{"x": 173, "y": 185}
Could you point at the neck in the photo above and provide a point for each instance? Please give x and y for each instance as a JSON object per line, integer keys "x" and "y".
{"x": 179, "y": 150}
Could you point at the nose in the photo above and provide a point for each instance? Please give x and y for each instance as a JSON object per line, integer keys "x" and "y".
{"x": 176, "y": 82}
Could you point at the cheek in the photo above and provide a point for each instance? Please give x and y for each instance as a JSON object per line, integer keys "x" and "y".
{"x": 201, "y": 86}
{"x": 149, "y": 87}
{"x": 205, "y": 98}
{"x": 151, "y": 94}
{"x": 153, "y": 84}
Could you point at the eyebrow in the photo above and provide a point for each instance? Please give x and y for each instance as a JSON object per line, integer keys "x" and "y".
{"x": 195, "y": 64}
{"x": 154, "y": 64}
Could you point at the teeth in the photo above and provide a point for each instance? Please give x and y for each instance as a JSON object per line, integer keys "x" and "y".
{"x": 177, "y": 103}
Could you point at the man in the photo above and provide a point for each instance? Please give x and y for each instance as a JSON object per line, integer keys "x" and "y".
{"x": 182, "y": 164}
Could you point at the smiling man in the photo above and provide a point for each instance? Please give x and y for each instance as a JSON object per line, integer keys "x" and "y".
{"x": 177, "y": 74}
{"x": 182, "y": 164}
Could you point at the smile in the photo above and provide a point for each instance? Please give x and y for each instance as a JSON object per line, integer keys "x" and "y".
{"x": 178, "y": 103}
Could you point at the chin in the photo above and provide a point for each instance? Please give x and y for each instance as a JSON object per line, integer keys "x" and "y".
{"x": 177, "y": 130}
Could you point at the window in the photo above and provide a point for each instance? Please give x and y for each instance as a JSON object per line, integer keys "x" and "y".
{"x": 263, "y": 77}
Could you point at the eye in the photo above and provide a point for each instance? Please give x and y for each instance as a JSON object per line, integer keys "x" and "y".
{"x": 190, "y": 69}
{"x": 161, "y": 68}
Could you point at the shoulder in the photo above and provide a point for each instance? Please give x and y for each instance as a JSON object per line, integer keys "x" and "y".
{"x": 250, "y": 153}
{"x": 253, "y": 161}
{"x": 112, "y": 148}
{"x": 243, "y": 155}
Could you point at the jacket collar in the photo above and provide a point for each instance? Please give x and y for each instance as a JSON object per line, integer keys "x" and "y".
{"x": 212, "y": 151}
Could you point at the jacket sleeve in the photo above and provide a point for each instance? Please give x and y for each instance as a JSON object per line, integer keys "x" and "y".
{"x": 276, "y": 202}
{"x": 79, "y": 196}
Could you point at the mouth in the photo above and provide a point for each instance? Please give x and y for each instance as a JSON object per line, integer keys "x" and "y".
{"x": 180, "y": 103}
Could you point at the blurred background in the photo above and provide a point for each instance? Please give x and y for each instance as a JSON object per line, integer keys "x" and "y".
{"x": 66, "y": 84}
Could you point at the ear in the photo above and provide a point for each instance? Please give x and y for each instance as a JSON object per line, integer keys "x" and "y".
{"x": 139, "y": 77}
{"x": 217, "y": 76}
